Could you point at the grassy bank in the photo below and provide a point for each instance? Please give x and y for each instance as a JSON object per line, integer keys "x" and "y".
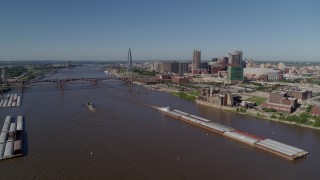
{"x": 185, "y": 96}
{"x": 257, "y": 100}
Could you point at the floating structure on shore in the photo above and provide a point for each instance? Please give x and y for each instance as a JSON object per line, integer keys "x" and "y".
{"x": 11, "y": 138}
{"x": 11, "y": 100}
{"x": 275, "y": 147}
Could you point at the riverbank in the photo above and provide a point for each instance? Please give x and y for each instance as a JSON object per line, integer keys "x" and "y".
{"x": 261, "y": 116}
{"x": 250, "y": 112}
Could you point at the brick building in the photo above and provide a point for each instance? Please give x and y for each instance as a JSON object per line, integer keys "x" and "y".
{"x": 315, "y": 111}
{"x": 276, "y": 96}
{"x": 179, "y": 80}
{"x": 300, "y": 95}
{"x": 281, "y": 102}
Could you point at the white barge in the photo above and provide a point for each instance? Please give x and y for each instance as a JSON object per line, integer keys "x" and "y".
{"x": 11, "y": 100}
{"x": 275, "y": 147}
{"x": 11, "y": 138}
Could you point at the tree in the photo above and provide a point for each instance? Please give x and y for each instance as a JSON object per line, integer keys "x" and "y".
{"x": 242, "y": 110}
{"x": 317, "y": 123}
{"x": 309, "y": 108}
{"x": 293, "y": 118}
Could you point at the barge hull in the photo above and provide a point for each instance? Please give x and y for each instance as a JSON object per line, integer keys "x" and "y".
{"x": 275, "y": 147}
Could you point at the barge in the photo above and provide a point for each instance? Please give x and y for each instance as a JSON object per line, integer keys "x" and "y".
{"x": 272, "y": 146}
{"x": 11, "y": 100}
{"x": 11, "y": 138}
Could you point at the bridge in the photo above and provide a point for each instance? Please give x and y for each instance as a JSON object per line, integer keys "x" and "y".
{"x": 69, "y": 80}
{"x": 61, "y": 83}
{"x": 67, "y": 76}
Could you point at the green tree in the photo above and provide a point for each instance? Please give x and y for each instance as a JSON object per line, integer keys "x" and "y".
{"x": 293, "y": 118}
{"x": 242, "y": 110}
{"x": 273, "y": 116}
{"x": 317, "y": 123}
{"x": 309, "y": 108}
{"x": 282, "y": 117}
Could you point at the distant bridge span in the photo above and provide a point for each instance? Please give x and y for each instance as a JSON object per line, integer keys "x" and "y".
{"x": 68, "y": 80}
{"x": 62, "y": 82}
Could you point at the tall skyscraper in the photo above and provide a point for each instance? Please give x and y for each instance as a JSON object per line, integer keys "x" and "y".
{"x": 196, "y": 61}
{"x": 235, "y": 58}
{"x": 239, "y": 54}
{"x": 179, "y": 67}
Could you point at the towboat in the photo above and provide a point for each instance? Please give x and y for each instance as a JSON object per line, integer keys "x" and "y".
{"x": 90, "y": 106}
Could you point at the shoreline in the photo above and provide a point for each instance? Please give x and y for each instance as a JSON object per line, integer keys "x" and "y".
{"x": 231, "y": 109}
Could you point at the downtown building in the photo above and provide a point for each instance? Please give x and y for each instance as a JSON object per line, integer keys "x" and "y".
{"x": 235, "y": 74}
{"x": 179, "y": 67}
{"x": 196, "y": 62}
{"x": 236, "y": 58}
{"x": 170, "y": 67}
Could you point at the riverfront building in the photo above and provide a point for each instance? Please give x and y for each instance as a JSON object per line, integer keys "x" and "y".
{"x": 315, "y": 111}
{"x": 300, "y": 95}
{"x": 280, "y": 101}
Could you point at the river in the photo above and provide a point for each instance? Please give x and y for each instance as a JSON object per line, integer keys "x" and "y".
{"x": 126, "y": 138}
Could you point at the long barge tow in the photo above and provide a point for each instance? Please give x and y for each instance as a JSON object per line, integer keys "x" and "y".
{"x": 11, "y": 138}
{"x": 272, "y": 146}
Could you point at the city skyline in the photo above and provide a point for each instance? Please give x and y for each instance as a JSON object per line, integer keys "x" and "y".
{"x": 154, "y": 30}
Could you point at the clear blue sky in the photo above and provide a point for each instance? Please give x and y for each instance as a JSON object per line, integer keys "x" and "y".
{"x": 159, "y": 29}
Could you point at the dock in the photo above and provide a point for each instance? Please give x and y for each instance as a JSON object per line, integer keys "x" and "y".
{"x": 11, "y": 138}
{"x": 269, "y": 145}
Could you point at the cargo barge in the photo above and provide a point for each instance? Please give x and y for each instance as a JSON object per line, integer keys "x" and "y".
{"x": 11, "y": 138}
{"x": 11, "y": 100}
{"x": 275, "y": 147}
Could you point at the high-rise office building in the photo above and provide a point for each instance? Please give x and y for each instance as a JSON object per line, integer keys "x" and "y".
{"x": 236, "y": 58}
{"x": 183, "y": 67}
{"x": 239, "y": 54}
{"x": 235, "y": 74}
{"x": 175, "y": 67}
{"x": 179, "y": 67}
{"x": 196, "y": 61}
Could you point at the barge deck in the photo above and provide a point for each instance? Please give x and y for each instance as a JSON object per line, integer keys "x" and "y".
{"x": 11, "y": 138}
{"x": 272, "y": 146}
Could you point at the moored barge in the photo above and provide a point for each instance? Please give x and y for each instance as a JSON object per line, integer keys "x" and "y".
{"x": 11, "y": 138}
{"x": 275, "y": 147}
